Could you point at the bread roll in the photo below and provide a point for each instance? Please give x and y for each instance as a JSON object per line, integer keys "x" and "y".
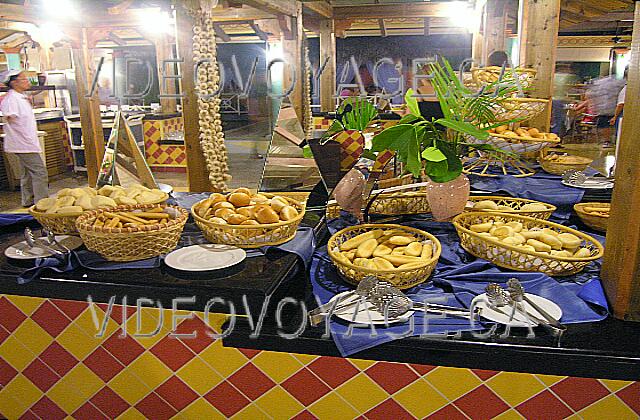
{"x": 354, "y": 242}
{"x": 236, "y": 219}
{"x": 217, "y": 197}
{"x": 288, "y": 213}
{"x": 242, "y": 191}
{"x": 266, "y": 215}
{"x": 365, "y": 249}
{"x": 123, "y": 199}
{"x": 569, "y": 240}
{"x": 101, "y": 201}
{"x": 259, "y": 198}
{"x": 218, "y": 220}
{"x": 239, "y": 199}
{"x": 250, "y": 222}
{"x": 45, "y": 203}
{"x": 65, "y": 201}
{"x": 582, "y": 253}
{"x": 481, "y": 227}
{"x": 106, "y": 190}
{"x": 382, "y": 264}
{"x": 70, "y": 209}
{"x": 381, "y": 250}
{"x": 539, "y": 246}
{"x": 278, "y": 203}
{"x": 414, "y": 249}
{"x": 223, "y": 213}
{"x": 246, "y": 211}
{"x": 64, "y": 192}
{"x": 401, "y": 240}
{"x": 486, "y": 205}
{"x": 84, "y": 202}
{"x": 222, "y": 205}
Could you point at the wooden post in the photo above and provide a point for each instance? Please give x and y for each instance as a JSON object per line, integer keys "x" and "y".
{"x": 494, "y": 28}
{"x": 538, "y": 45}
{"x": 293, "y": 50}
{"x": 477, "y": 39}
{"x": 164, "y": 51}
{"x": 328, "y": 76}
{"x": 621, "y": 267}
{"x": 90, "y": 119}
{"x": 197, "y": 173}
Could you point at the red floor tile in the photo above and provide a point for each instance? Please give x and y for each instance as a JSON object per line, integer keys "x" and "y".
{"x": 305, "y": 415}
{"x": 116, "y": 311}
{"x": 47, "y": 409}
{"x": 10, "y": 316}
{"x": 71, "y": 308}
{"x": 481, "y": 403}
{"x": 305, "y": 387}
{"x": 103, "y": 364}
{"x": 58, "y": 359}
{"x": 153, "y": 407}
{"x": 250, "y": 353}
{"x": 580, "y": 392}
{"x": 176, "y": 393}
{"x": 202, "y": 340}
{"x": 422, "y": 369}
{"x": 389, "y": 409}
{"x": 392, "y": 377}
{"x": 544, "y": 406}
{"x": 41, "y": 375}
{"x": 7, "y": 372}
{"x": 251, "y": 381}
{"x": 448, "y": 412}
{"x": 50, "y": 319}
{"x": 125, "y": 349}
{"x": 333, "y": 370}
{"x": 88, "y": 412}
{"x": 227, "y": 399}
{"x": 484, "y": 374}
{"x": 4, "y": 334}
{"x": 29, "y": 415}
{"x": 109, "y": 402}
{"x": 172, "y": 352}
{"x": 631, "y": 396}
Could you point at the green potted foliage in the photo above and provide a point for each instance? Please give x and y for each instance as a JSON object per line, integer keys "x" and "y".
{"x": 434, "y": 147}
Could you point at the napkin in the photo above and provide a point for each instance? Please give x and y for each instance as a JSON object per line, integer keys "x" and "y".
{"x": 8, "y": 219}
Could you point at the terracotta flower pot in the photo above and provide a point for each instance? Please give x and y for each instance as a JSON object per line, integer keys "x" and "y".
{"x": 448, "y": 199}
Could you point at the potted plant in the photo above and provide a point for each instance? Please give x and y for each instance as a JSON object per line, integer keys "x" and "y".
{"x": 434, "y": 147}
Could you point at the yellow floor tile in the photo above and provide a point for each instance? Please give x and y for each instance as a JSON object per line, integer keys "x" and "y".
{"x": 250, "y": 412}
{"x": 509, "y": 415}
{"x": 77, "y": 342}
{"x": 26, "y": 304}
{"x": 15, "y": 353}
{"x": 149, "y": 369}
{"x": 610, "y": 407}
{"x": 614, "y": 385}
{"x": 224, "y": 360}
{"x": 130, "y": 388}
{"x": 362, "y": 392}
{"x": 305, "y": 359}
{"x": 277, "y": 366}
{"x": 515, "y": 388}
{"x": 87, "y": 323}
{"x": 215, "y": 321}
{"x": 549, "y": 380}
{"x": 17, "y": 396}
{"x": 200, "y": 409}
{"x": 279, "y": 404}
{"x": 452, "y": 382}
{"x": 75, "y": 388}
{"x": 199, "y": 376}
{"x": 32, "y": 336}
{"x": 333, "y": 406}
{"x": 362, "y": 364}
{"x": 420, "y": 399}
{"x": 149, "y": 323}
{"x": 132, "y": 414}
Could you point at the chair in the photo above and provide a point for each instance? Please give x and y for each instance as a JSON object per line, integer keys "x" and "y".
{"x": 585, "y": 126}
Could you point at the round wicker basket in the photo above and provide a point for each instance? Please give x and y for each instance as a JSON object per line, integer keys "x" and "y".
{"x": 65, "y": 223}
{"x": 517, "y": 145}
{"x": 131, "y": 244}
{"x": 250, "y": 236}
{"x": 401, "y": 278}
{"x": 594, "y": 221}
{"x": 517, "y": 258}
{"x": 559, "y": 168}
{"x": 406, "y": 202}
{"x": 519, "y": 108}
{"x": 485, "y": 75}
{"x": 516, "y": 205}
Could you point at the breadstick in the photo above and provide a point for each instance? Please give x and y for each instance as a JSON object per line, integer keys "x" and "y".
{"x": 113, "y": 222}
{"x": 145, "y": 215}
{"x": 137, "y": 219}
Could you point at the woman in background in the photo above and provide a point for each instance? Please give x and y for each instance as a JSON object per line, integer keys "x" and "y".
{"x": 21, "y": 138}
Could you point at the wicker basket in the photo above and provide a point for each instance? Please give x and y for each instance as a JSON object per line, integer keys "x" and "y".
{"x": 517, "y": 145}
{"x": 559, "y": 168}
{"x": 401, "y": 278}
{"x": 251, "y": 236}
{"x": 485, "y": 75}
{"x": 391, "y": 204}
{"x": 131, "y": 243}
{"x": 516, "y": 258}
{"x": 594, "y": 221}
{"x": 516, "y": 204}
{"x": 65, "y": 223}
{"x": 519, "y": 108}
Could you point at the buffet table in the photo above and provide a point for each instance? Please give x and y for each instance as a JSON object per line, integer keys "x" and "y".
{"x": 49, "y": 343}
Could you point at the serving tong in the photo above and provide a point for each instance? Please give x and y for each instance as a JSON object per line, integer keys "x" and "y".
{"x": 579, "y": 178}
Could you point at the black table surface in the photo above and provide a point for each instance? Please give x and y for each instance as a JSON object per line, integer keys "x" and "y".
{"x": 606, "y": 349}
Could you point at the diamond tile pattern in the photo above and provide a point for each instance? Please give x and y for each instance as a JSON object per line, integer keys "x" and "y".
{"x": 127, "y": 378}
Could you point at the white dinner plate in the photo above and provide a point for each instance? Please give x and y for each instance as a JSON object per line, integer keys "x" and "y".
{"x": 205, "y": 257}
{"x": 519, "y": 320}
{"x": 21, "y": 250}
{"x": 366, "y": 315}
{"x": 600, "y": 185}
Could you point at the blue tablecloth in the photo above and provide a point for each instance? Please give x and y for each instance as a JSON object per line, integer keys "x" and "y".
{"x": 458, "y": 278}
{"x": 541, "y": 187}
{"x": 8, "y": 219}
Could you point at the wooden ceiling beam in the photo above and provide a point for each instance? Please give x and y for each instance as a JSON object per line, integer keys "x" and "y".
{"x": 220, "y": 33}
{"x": 594, "y": 6}
{"x": 120, "y": 7}
{"x": 261, "y": 34}
{"x": 579, "y": 8}
{"x": 274, "y": 7}
{"x": 285, "y": 26}
{"x": 321, "y": 8}
{"x": 116, "y": 39}
{"x": 392, "y": 11}
{"x": 342, "y": 26}
{"x": 383, "y": 29}
{"x": 572, "y": 17}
